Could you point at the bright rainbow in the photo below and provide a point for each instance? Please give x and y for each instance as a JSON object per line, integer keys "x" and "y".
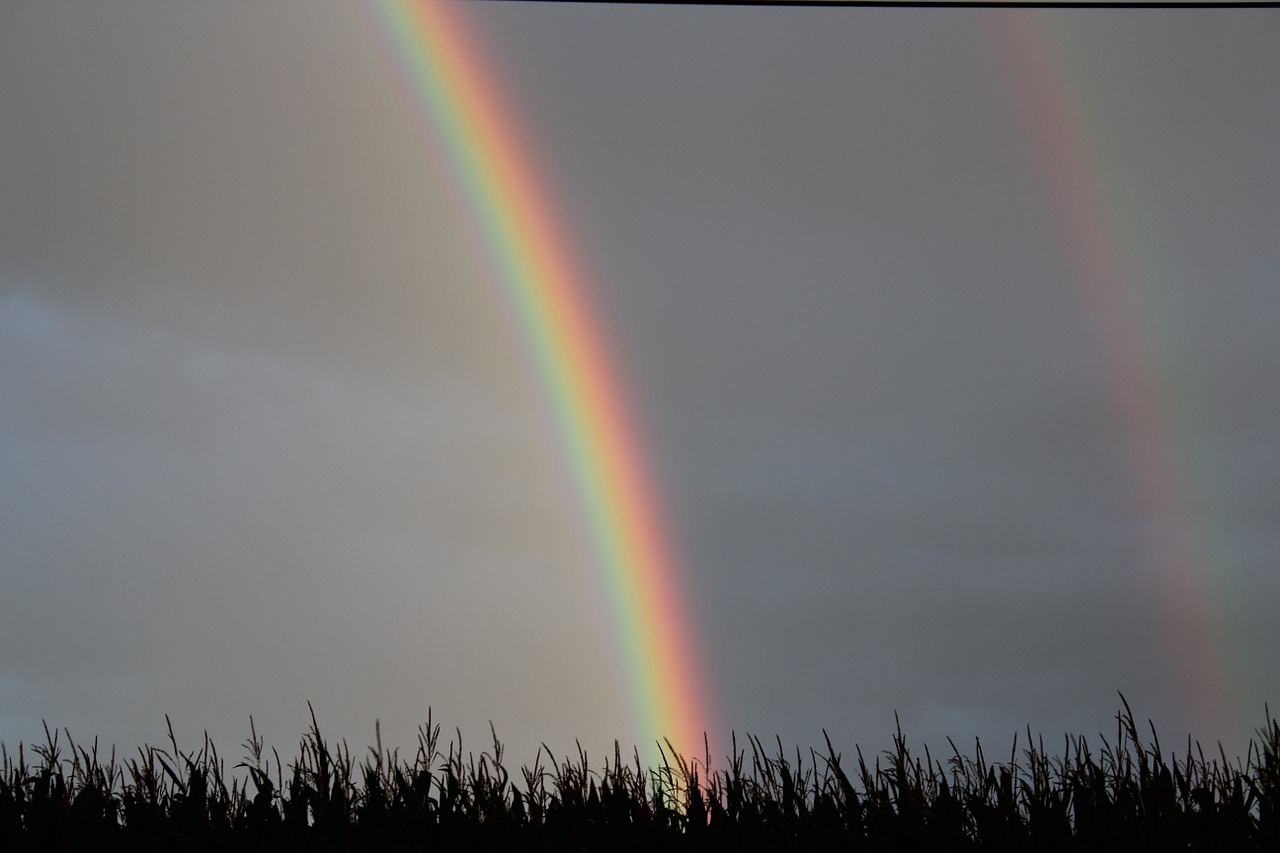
{"x": 1117, "y": 262}
{"x": 448, "y": 72}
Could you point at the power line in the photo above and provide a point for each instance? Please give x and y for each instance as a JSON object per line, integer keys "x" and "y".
{"x": 931, "y": 4}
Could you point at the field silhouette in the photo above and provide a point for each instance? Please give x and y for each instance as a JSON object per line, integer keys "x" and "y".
{"x": 1119, "y": 793}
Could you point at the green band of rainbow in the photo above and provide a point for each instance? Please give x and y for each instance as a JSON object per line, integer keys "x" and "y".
{"x": 516, "y": 215}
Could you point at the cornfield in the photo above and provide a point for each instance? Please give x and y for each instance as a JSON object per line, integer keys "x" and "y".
{"x": 1121, "y": 793}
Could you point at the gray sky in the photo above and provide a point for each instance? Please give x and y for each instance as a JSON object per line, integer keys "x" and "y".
{"x": 269, "y": 431}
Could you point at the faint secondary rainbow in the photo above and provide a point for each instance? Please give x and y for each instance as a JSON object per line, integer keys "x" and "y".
{"x": 1116, "y": 258}
{"x": 455, "y": 85}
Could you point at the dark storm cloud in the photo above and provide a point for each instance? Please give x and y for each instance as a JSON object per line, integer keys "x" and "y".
{"x": 262, "y": 403}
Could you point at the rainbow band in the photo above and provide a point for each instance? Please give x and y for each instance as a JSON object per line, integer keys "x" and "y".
{"x": 1119, "y": 270}
{"x": 551, "y": 298}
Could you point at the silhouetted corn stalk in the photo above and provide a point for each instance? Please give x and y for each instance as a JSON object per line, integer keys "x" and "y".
{"x": 1121, "y": 795}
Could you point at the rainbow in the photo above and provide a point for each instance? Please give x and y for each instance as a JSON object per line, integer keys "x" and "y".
{"x": 453, "y": 82}
{"x": 1116, "y": 259}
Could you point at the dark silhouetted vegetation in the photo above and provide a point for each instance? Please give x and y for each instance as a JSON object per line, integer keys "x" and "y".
{"x": 1122, "y": 793}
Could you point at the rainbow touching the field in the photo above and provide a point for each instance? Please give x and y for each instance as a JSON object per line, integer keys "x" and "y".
{"x": 455, "y": 85}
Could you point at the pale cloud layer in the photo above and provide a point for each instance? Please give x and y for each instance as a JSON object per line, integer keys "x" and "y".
{"x": 269, "y": 432}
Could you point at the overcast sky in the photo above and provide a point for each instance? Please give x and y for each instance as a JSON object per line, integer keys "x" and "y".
{"x": 951, "y": 337}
